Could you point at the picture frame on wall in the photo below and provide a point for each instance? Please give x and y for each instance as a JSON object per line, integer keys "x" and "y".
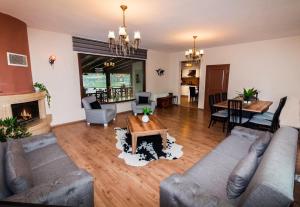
{"x": 15, "y": 59}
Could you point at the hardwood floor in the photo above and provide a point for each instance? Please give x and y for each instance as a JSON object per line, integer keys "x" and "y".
{"x": 184, "y": 101}
{"x": 117, "y": 184}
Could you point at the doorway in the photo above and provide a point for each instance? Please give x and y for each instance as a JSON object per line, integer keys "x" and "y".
{"x": 217, "y": 77}
{"x": 189, "y": 88}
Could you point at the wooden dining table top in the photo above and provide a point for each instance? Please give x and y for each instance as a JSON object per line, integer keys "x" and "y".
{"x": 254, "y": 107}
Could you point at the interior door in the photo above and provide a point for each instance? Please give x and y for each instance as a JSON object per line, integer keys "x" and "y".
{"x": 217, "y": 77}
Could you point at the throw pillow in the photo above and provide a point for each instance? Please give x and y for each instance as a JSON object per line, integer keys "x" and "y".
{"x": 261, "y": 144}
{"x": 241, "y": 175}
{"x": 95, "y": 105}
{"x": 17, "y": 169}
{"x": 143, "y": 99}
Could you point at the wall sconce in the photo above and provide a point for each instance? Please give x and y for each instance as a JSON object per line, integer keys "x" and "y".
{"x": 52, "y": 59}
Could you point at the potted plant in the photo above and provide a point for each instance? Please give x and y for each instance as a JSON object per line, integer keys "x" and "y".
{"x": 11, "y": 129}
{"x": 147, "y": 111}
{"x": 40, "y": 87}
{"x": 249, "y": 94}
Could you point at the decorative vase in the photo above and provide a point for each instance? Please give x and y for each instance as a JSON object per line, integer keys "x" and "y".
{"x": 145, "y": 118}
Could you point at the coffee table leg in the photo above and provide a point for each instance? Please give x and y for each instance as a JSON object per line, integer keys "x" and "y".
{"x": 133, "y": 141}
{"x": 164, "y": 139}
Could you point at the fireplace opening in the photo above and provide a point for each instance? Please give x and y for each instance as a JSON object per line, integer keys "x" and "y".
{"x": 26, "y": 112}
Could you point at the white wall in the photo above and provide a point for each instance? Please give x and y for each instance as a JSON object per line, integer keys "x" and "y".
{"x": 62, "y": 80}
{"x": 271, "y": 66}
{"x": 154, "y": 83}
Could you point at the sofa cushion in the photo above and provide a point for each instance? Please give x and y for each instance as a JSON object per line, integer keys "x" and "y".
{"x": 17, "y": 169}
{"x": 53, "y": 170}
{"x": 273, "y": 181}
{"x": 38, "y": 141}
{"x": 261, "y": 144}
{"x": 234, "y": 146}
{"x": 95, "y": 105}
{"x": 241, "y": 175}
{"x": 246, "y": 133}
{"x": 143, "y": 99}
{"x": 4, "y": 191}
{"x": 212, "y": 172}
{"x": 141, "y": 106}
{"x": 45, "y": 155}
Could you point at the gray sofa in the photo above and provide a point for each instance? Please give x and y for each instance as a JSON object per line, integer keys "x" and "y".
{"x": 205, "y": 184}
{"x": 53, "y": 178}
{"x": 104, "y": 115}
{"x": 138, "y": 108}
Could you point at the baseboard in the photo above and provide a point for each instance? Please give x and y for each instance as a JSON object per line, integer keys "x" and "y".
{"x": 82, "y": 120}
{"x": 67, "y": 123}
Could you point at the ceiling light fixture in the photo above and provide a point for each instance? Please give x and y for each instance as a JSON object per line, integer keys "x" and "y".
{"x": 122, "y": 46}
{"x": 194, "y": 54}
{"x": 109, "y": 64}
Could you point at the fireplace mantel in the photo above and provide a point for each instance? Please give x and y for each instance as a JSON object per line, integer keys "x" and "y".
{"x": 37, "y": 127}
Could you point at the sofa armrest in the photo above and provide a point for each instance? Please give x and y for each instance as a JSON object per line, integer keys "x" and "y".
{"x": 38, "y": 141}
{"x": 73, "y": 189}
{"x": 180, "y": 191}
{"x": 109, "y": 106}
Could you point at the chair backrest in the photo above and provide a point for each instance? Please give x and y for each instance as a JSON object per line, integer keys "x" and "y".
{"x": 87, "y": 100}
{"x": 218, "y": 97}
{"x": 192, "y": 91}
{"x": 275, "y": 120}
{"x": 143, "y": 94}
{"x": 235, "y": 111}
{"x": 211, "y": 101}
{"x": 224, "y": 96}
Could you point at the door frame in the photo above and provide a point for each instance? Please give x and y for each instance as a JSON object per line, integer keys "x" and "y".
{"x": 206, "y": 82}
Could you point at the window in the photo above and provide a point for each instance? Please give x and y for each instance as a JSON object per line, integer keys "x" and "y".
{"x": 111, "y": 79}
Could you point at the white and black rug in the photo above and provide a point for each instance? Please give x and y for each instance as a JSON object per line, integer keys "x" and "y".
{"x": 148, "y": 148}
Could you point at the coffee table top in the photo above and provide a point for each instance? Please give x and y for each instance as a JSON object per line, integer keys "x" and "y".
{"x": 136, "y": 125}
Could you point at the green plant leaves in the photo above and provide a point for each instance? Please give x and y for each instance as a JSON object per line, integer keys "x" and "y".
{"x": 11, "y": 129}
{"x": 147, "y": 111}
{"x": 42, "y": 87}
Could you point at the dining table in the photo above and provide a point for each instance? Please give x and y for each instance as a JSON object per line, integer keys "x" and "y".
{"x": 257, "y": 106}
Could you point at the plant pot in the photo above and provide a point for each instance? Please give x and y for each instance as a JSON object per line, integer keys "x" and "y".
{"x": 36, "y": 89}
{"x": 145, "y": 118}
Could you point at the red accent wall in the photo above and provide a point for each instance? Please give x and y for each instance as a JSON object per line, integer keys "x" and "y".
{"x": 13, "y": 38}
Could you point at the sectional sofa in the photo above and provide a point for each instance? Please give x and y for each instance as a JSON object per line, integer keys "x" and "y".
{"x": 37, "y": 170}
{"x": 223, "y": 177}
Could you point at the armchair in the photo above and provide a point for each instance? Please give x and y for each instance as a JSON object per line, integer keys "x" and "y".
{"x": 104, "y": 115}
{"x": 138, "y": 108}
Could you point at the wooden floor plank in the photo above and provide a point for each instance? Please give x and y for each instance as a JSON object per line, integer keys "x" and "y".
{"x": 117, "y": 184}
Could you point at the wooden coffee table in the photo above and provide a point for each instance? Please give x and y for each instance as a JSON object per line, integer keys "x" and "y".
{"x": 137, "y": 128}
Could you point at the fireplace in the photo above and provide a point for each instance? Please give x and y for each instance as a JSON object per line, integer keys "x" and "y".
{"x": 26, "y": 112}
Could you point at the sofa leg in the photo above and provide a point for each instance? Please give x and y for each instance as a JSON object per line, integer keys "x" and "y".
{"x": 105, "y": 125}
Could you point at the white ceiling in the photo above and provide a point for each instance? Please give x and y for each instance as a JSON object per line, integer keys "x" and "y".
{"x": 164, "y": 24}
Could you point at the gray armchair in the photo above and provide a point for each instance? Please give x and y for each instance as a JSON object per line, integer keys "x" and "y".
{"x": 138, "y": 108}
{"x": 104, "y": 115}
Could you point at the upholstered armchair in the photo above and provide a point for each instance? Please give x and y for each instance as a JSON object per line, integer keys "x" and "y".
{"x": 104, "y": 115}
{"x": 138, "y": 105}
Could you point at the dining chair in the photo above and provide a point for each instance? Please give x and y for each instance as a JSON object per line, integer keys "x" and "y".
{"x": 235, "y": 114}
{"x": 269, "y": 115}
{"x": 216, "y": 116}
{"x": 193, "y": 95}
{"x": 224, "y": 96}
{"x": 218, "y": 97}
{"x": 268, "y": 125}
